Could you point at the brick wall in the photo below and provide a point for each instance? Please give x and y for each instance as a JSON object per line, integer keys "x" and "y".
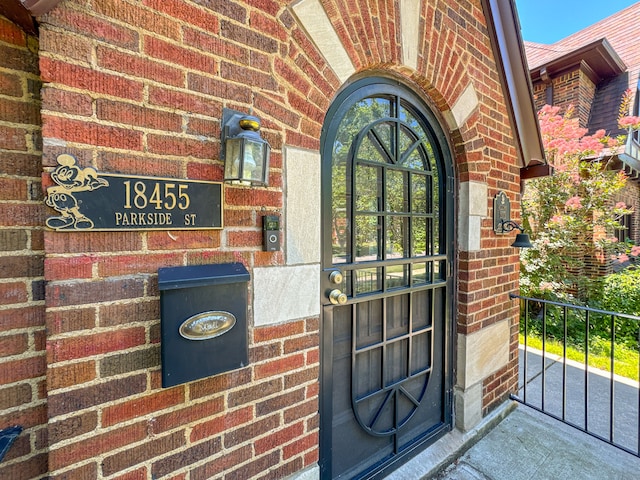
{"x": 573, "y": 88}
{"x": 587, "y": 93}
{"x": 22, "y": 326}
{"x": 138, "y": 88}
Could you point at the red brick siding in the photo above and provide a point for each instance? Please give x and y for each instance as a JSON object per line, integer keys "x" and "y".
{"x": 485, "y": 152}
{"x": 22, "y": 315}
{"x": 573, "y": 88}
{"x": 138, "y": 87}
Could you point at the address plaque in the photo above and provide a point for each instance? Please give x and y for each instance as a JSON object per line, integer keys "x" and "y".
{"x": 87, "y": 200}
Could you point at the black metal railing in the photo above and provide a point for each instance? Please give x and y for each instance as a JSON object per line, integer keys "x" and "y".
{"x": 593, "y": 399}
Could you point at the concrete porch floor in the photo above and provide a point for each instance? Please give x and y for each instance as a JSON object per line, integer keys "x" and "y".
{"x": 518, "y": 443}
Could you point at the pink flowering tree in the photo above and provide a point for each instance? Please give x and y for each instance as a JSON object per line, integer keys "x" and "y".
{"x": 571, "y": 215}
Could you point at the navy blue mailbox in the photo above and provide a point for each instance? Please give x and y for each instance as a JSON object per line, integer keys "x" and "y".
{"x": 203, "y": 318}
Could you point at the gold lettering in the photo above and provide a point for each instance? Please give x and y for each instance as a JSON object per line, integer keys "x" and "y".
{"x": 151, "y": 219}
{"x": 190, "y": 219}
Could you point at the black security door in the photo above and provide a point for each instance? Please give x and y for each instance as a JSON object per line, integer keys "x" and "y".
{"x": 386, "y": 280}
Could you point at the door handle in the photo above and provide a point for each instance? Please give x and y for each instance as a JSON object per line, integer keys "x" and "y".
{"x": 335, "y": 277}
{"x": 337, "y": 297}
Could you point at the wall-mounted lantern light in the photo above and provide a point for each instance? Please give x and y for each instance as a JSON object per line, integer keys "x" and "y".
{"x": 522, "y": 239}
{"x": 502, "y": 222}
{"x": 244, "y": 151}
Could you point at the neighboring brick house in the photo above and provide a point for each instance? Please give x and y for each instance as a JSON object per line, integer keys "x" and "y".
{"x": 591, "y": 70}
{"x": 433, "y": 95}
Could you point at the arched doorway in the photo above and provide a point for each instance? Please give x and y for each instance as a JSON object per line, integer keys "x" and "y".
{"x": 387, "y": 287}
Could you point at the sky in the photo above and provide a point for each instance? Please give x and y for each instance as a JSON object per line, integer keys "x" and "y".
{"x": 547, "y": 21}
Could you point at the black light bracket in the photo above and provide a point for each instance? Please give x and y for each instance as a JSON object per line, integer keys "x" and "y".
{"x": 510, "y": 226}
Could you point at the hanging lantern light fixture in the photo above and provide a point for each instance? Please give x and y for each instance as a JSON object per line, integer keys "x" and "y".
{"x": 245, "y": 153}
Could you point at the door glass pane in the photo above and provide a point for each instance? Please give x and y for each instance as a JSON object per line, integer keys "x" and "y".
{"x": 368, "y": 188}
{"x": 382, "y": 135}
{"x": 397, "y": 194}
{"x": 396, "y": 236}
{"x": 345, "y": 287}
{"x": 368, "y": 280}
{"x": 415, "y": 159}
{"x": 441, "y": 273}
{"x": 418, "y": 193}
{"x": 406, "y": 116}
{"x": 339, "y": 235}
{"x": 397, "y": 276}
{"x": 339, "y": 203}
{"x": 367, "y": 237}
{"x": 435, "y": 234}
{"x": 419, "y": 273}
{"x": 419, "y": 236}
{"x": 361, "y": 114}
{"x": 371, "y": 150}
{"x": 407, "y": 142}
{"x": 435, "y": 185}
{"x": 412, "y": 153}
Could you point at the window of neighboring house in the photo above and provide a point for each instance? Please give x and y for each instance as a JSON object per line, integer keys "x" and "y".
{"x": 624, "y": 231}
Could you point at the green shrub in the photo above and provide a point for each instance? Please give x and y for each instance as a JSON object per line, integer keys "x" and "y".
{"x": 621, "y": 294}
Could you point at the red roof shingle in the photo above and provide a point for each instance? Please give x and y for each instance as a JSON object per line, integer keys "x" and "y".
{"x": 622, "y": 32}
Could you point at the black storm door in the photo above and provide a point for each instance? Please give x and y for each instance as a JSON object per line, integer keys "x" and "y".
{"x": 387, "y": 217}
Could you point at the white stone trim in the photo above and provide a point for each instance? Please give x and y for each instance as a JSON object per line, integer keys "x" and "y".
{"x": 468, "y": 406}
{"x": 285, "y": 293}
{"x": 315, "y": 21}
{"x": 482, "y": 353}
{"x": 473, "y": 198}
{"x": 310, "y": 473}
{"x": 472, "y": 208}
{"x": 410, "y": 31}
{"x": 302, "y": 205}
{"x": 469, "y": 228}
{"x": 465, "y": 105}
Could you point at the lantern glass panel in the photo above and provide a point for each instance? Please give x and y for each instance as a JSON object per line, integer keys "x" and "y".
{"x": 253, "y": 160}
{"x": 233, "y": 150}
{"x": 256, "y": 160}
